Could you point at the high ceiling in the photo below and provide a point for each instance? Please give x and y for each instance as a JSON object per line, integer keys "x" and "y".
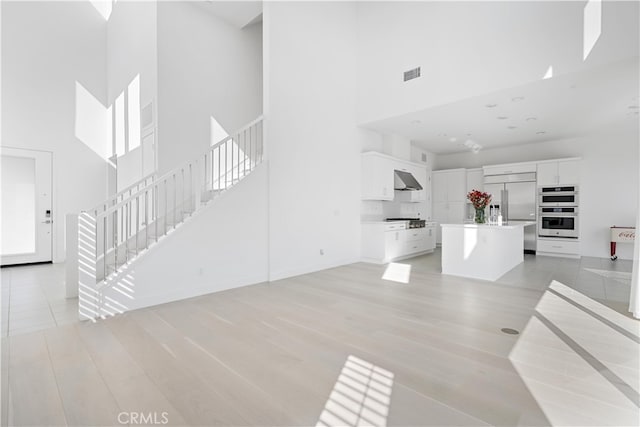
{"x": 548, "y": 109}
{"x": 237, "y": 13}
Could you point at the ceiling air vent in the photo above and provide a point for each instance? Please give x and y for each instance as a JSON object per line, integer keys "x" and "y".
{"x": 412, "y": 74}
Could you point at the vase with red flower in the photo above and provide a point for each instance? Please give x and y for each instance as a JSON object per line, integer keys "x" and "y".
{"x": 480, "y": 200}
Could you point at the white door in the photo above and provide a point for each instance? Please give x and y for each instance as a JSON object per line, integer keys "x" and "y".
{"x": 26, "y": 213}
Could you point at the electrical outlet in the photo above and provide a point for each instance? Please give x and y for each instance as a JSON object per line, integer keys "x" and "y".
{"x": 321, "y": 251}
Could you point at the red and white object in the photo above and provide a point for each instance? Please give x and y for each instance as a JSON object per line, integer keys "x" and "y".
{"x": 621, "y": 235}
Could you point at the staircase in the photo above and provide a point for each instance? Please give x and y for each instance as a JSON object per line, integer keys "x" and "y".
{"x": 127, "y": 225}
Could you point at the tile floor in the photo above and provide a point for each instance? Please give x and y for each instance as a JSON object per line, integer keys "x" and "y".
{"x": 33, "y": 299}
{"x": 336, "y": 347}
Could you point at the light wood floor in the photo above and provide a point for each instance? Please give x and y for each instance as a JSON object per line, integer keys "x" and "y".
{"x": 344, "y": 347}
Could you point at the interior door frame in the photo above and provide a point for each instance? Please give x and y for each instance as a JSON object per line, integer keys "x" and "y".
{"x": 37, "y": 256}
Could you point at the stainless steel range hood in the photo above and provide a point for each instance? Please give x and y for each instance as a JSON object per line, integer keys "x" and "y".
{"x": 404, "y": 181}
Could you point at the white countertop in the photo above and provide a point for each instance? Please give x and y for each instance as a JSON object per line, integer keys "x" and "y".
{"x": 510, "y": 226}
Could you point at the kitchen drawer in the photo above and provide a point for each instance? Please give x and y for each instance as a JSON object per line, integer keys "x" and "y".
{"x": 414, "y": 234}
{"x": 558, "y": 246}
{"x": 395, "y": 226}
{"x": 415, "y": 246}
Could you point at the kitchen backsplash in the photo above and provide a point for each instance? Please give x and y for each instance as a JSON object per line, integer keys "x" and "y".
{"x": 374, "y": 210}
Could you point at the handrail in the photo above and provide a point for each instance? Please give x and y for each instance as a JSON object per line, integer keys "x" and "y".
{"x": 242, "y": 129}
{"x": 173, "y": 171}
{"x": 120, "y": 193}
{"x": 180, "y": 166}
{"x": 111, "y": 209}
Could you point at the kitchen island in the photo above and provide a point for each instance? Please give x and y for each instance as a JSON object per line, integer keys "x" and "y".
{"x": 482, "y": 251}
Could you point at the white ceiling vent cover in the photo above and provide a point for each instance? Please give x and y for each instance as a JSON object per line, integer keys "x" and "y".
{"x": 412, "y": 74}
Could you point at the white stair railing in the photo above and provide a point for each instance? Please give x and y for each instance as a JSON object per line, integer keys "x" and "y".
{"x": 123, "y": 194}
{"x": 131, "y": 222}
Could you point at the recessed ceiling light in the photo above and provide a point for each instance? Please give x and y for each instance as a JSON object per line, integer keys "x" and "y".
{"x": 491, "y": 105}
{"x": 517, "y": 99}
{"x": 502, "y": 117}
{"x": 453, "y": 139}
{"x": 531, "y": 119}
{"x": 541, "y": 132}
{"x": 512, "y": 127}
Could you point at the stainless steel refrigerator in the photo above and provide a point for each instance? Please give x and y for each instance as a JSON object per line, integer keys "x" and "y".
{"x": 516, "y": 196}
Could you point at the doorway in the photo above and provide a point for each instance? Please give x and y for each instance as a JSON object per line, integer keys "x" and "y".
{"x": 26, "y": 206}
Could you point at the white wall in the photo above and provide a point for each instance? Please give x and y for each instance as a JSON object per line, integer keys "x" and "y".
{"x": 222, "y": 247}
{"x": 207, "y": 67}
{"x": 396, "y": 146}
{"x": 53, "y": 84}
{"x": 609, "y": 178}
{"x": 132, "y": 51}
{"x": 471, "y": 48}
{"x": 312, "y": 138}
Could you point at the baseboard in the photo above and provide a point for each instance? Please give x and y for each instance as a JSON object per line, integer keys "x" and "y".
{"x": 285, "y": 274}
{"x": 26, "y": 264}
{"x": 557, "y": 255}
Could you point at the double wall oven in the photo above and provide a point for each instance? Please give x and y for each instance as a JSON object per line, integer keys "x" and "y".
{"x": 558, "y": 212}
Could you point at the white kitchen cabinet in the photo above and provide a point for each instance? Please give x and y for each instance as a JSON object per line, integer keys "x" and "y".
{"x": 547, "y": 173}
{"x": 447, "y": 213}
{"x": 475, "y": 180}
{"x": 393, "y": 244}
{"x": 439, "y": 187}
{"x": 456, "y": 185}
{"x": 569, "y": 248}
{"x": 509, "y": 168}
{"x": 377, "y": 177}
{"x": 561, "y": 172}
{"x": 449, "y": 196}
{"x": 569, "y": 172}
{"x": 449, "y": 185}
{"x": 385, "y": 242}
{"x": 414, "y": 241}
{"x": 430, "y": 237}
